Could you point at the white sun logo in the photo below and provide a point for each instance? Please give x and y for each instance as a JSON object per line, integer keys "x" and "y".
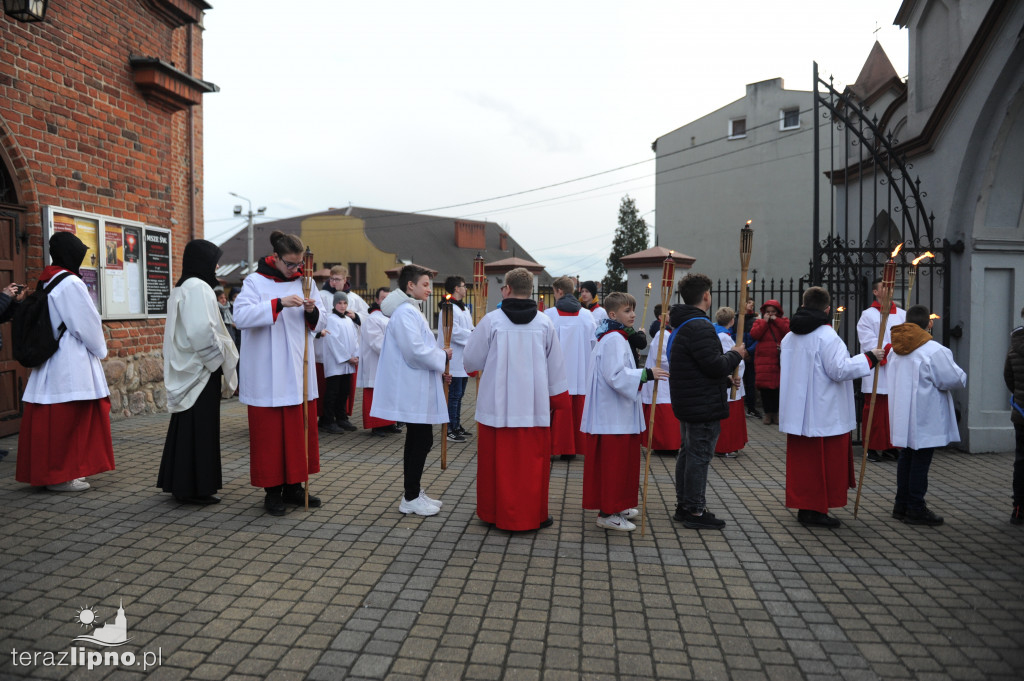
{"x": 86, "y": 616}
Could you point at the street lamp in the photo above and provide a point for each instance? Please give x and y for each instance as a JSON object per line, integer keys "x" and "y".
{"x": 26, "y": 10}
{"x": 249, "y": 232}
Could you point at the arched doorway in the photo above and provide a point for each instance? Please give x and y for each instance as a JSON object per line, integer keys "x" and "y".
{"x": 13, "y": 255}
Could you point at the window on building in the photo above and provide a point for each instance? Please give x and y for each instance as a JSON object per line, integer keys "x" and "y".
{"x": 737, "y": 128}
{"x": 789, "y": 119}
{"x": 357, "y": 274}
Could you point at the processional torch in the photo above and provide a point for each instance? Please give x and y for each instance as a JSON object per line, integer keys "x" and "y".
{"x": 885, "y": 301}
{"x": 307, "y": 288}
{"x": 746, "y": 248}
{"x": 837, "y": 318}
{"x": 913, "y": 275}
{"x": 647, "y": 299}
{"x": 478, "y": 288}
{"x": 668, "y": 280}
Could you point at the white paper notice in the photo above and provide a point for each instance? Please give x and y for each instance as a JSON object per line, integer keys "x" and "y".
{"x": 131, "y": 270}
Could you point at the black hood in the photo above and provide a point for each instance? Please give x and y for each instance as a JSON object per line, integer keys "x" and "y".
{"x": 67, "y": 251}
{"x": 806, "y": 320}
{"x": 460, "y": 303}
{"x": 568, "y": 304}
{"x": 267, "y": 269}
{"x": 678, "y": 314}
{"x": 519, "y": 310}
{"x": 200, "y": 261}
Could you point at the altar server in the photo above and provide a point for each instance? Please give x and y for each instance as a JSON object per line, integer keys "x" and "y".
{"x": 732, "y": 432}
{"x": 65, "y": 425}
{"x": 462, "y": 326}
{"x": 408, "y": 385}
{"x": 575, "y": 327}
{"x": 341, "y": 360}
{"x": 667, "y": 431}
{"x": 878, "y": 441}
{"x": 523, "y": 375}
{"x": 276, "y": 322}
{"x": 614, "y": 418}
{"x": 816, "y": 410}
{"x": 371, "y": 338}
{"x": 200, "y": 366}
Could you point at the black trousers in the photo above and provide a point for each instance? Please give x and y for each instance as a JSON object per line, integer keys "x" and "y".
{"x": 770, "y": 400}
{"x": 336, "y": 390}
{"x": 419, "y": 438}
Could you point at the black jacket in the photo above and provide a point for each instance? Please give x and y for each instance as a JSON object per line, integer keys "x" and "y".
{"x": 1013, "y": 372}
{"x": 699, "y": 370}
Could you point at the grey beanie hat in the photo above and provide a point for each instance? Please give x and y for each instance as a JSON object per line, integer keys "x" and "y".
{"x": 340, "y": 297}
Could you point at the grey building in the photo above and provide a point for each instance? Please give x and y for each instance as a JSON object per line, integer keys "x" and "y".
{"x": 749, "y": 160}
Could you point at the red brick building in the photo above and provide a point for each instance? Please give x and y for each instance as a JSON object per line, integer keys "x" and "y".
{"x": 101, "y": 132}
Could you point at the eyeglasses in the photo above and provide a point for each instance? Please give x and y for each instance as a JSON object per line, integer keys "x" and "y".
{"x": 292, "y": 266}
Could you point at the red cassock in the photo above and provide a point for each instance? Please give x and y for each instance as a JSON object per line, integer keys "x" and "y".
{"x": 51, "y": 450}
{"x": 611, "y": 478}
{"x": 369, "y": 421}
{"x": 350, "y": 403}
{"x": 321, "y": 380}
{"x": 819, "y": 471}
{"x": 565, "y": 426}
{"x": 276, "y": 454}
{"x": 732, "y": 435}
{"x": 667, "y": 432}
{"x": 879, "y": 437}
{"x": 513, "y": 469}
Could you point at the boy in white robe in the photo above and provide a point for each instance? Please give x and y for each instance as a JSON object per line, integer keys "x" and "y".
{"x": 276, "y": 323}
{"x": 340, "y": 359}
{"x": 575, "y": 326}
{"x": 408, "y": 384}
{"x": 816, "y": 410}
{"x": 920, "y": 374}
{"x": 613, "y": 416}
{"x": 371, "y": 339}
{"x": 878, "y": 442}
{"x": 522, "y": 379}
{"x": 462, "y": 326}
{"x": 588, "y": 298}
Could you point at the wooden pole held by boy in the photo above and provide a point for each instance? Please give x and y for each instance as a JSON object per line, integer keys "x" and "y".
{"x": 448, "y": 319}
{"x": 668, "y": 277}
{"x": 888, "y": 282}
{"x": 746, "y": 248}
{"x": 307, "y": 287}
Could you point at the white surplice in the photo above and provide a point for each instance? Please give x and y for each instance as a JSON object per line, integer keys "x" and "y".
{"x": 613, "y": 390}
{"x": 921, "y": 412}
{"x": 867, "y": 336}
{"x": 576, "y": 335}
{"x": 340, "y": 345}
{"x": 371, "y": 339}
{"x": 462, "y": 327}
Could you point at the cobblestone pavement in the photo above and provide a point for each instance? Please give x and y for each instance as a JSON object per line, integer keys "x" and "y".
{"x": 357, "y": 590}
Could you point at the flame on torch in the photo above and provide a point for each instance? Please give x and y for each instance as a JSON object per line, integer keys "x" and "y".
{"x": 934, "y": 316}
{"x": 919, "y": 258}
{"x": 898, "y": 247}
{"x": 748, "y": 222}
{"x": 841, "y": 309}
{"x": 648, "y": 287}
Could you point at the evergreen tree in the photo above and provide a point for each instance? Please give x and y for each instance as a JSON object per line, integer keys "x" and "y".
{"x": 630, "y": 237}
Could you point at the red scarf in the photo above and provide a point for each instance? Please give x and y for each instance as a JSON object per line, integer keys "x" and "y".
{"x": 878, "y": 306}
{"x": 51, "y": 271}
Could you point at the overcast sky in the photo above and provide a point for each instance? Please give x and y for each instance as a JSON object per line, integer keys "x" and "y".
{"x": 418, "y": 106}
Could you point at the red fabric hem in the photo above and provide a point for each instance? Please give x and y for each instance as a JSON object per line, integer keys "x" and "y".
{"x": 276, "y": 454}
{"x": 667, "y": 431}
{"x": 732, "y": 436}
{"x": 818, "y": 472}
{"x": 371, "y": 421}
{"x": 880, "y": 432}
{"x": 63, "y": 441}
{"x": 513, "y": 470}
{"x": 611, "y": 472}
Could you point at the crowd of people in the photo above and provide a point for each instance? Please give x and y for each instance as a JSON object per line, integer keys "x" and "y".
{"x": 566, "y": 382}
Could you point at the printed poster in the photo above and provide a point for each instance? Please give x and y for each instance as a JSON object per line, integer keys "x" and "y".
{"x": 114, "y": 244}
{"x": 85, "y": 229}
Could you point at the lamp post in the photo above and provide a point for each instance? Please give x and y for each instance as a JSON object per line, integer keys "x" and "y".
{"x": 26, "y": 10}
{"x": 249, "y": 258}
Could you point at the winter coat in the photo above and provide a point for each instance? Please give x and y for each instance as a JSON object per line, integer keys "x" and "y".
{"x": 699, "y": 370}
{"x": 1013, "y": 372}
{"x": 769, "y": 335}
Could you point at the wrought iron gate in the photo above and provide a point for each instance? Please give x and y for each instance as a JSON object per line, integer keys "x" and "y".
{"x": 875, "y": 205}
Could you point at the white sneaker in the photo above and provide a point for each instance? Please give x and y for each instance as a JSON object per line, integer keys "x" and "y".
{"x": 76, "y": 485}
{"x": 433, "y": 502}
{"x": 630, "y": 513}
{"x": 615, "y": 522}
{"x": 418, "y": 506}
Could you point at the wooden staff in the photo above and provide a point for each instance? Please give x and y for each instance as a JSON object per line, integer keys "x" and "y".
{"x": 446, "y": 313}
{"x": 668, "y": 277}
{"x": 478, "y": 287}
{"x": 647, "y": 299}
{"x": 746, "y": 248}
{"x": 888, "y": 282}
{"x": 307, "y": 287}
